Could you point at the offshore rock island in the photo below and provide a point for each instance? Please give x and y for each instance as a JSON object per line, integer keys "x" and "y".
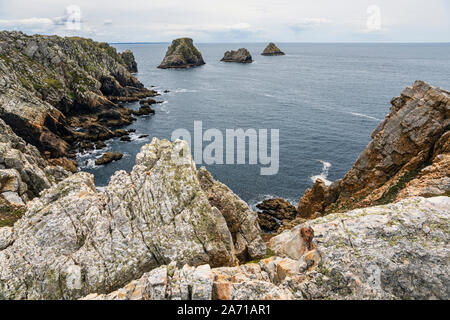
{"x": 272, "y": 50}
{"x": 241, "y": 56}
{"x": 169, "y": 230}
{"x": 182, "y": 54}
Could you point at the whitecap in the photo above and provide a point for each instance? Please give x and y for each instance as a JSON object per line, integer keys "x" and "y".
{"x": 181, "y": 90}
{"x": 324, "y": 174}
{"x": 361, "y": 115}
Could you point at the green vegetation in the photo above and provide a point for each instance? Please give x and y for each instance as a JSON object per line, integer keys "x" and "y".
{"x": 269, "y": 253}
{"x": 9, "y": 214}
{"x": 53, "y": 83}
{"x": 390, "y": 195}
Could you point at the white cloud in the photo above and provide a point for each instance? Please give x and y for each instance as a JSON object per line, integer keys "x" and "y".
{"x": 235, "y": 20}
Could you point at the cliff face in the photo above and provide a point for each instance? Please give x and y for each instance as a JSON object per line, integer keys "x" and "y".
{"x": 408, "y": 156}
{"x": 73, "y": 240}
{"x": 182, "y": 54}
{"x": 47, "y": 81}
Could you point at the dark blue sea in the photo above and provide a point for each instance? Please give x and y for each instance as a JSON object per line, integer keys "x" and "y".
{"x": 325, "y": 99}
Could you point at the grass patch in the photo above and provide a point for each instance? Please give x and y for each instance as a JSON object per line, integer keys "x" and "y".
{"x": 390, "y": 195}
{"x": 9, "y": 214}
{"x": 269, "y": 253}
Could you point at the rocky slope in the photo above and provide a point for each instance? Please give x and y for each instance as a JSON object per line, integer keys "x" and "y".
{"x": 409, "y": 155}
{"x": 182, "y": 54}
{"x": 272, "y": 50}
{"x": 396, "y": 251}
{"x": 49, "y": 85}
{"x": 241, "y": 56}
{"x": 23, "y": 172}
{"x": 74, "y": 240}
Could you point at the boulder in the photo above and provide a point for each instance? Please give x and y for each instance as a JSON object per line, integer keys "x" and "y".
{"x": 182, "y": 54}
{"x": 272, "y": 50}
{"x": 241, "y": 56}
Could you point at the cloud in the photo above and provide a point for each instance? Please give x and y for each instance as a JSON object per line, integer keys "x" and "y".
{"x": 29, "y": 22}
{"x": 107, "y": 22}
{"x": 308, "y": 24}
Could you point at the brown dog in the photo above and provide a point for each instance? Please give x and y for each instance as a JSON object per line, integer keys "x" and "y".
{"x": 307, "y": 234}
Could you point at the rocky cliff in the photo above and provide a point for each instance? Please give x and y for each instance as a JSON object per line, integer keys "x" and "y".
{"x": 272, "y": 50}
{"x": 408, "y": 156}
{"x": 396, "y": 251}
{"x": 49, "y": 85}
{"x": 241, "y": 56}
{"x": 182, "y": 54}
{"x": 168, "y": 231}
{"x": 74, "y": 240}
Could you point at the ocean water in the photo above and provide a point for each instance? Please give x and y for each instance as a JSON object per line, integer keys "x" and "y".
{"x": 325, "y": 99}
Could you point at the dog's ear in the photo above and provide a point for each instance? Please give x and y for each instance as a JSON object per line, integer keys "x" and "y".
{"x": 302, "y": 233}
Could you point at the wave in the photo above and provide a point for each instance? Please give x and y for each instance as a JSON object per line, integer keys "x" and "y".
{"x": 324, "y": 174}
{"x": 361, "y": 115}
{"x": 181, "y": 90}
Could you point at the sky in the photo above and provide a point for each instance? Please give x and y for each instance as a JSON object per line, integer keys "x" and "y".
{"x": 233, "y": 20}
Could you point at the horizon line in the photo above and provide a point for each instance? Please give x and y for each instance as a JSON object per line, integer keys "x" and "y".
{"x": 291, "y": 42}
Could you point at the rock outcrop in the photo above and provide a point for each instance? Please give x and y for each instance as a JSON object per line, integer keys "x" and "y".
{"x": 274, "y": 212}
{"x": 272, "y": 50}
{"x": 396, "y": 251}
{"x": 408, "y": 156}
{"x": 241, "y": 220}
{"x": 50, "y": 84}
{"x": 241, "y": 56}
{"x": 23, "y": 172}
{"x": 182, "y": 54}
{"x": 73, "y": 240}
{"x": 129, "y": 61}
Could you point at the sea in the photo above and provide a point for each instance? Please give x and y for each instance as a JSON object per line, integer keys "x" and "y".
{"x": 325, "y": 99}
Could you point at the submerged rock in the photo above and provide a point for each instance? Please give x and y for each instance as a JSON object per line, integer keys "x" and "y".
{"x": 272, "y": 50}
{"x": 108, "y": 157}
{"x": 182, "y": 54}
{"x": 242, "y": 56}
{"x": 74, "y": 240}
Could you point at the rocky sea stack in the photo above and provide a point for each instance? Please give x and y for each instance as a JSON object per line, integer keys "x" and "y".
{"x": 272, "y": 50}
{"x": 241, "y": 56}
{"x": 182, "y": 54}
{"x": 130, "y": 62}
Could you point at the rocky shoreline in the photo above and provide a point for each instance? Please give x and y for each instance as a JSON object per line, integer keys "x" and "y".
{"x": 167, "y": 230}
